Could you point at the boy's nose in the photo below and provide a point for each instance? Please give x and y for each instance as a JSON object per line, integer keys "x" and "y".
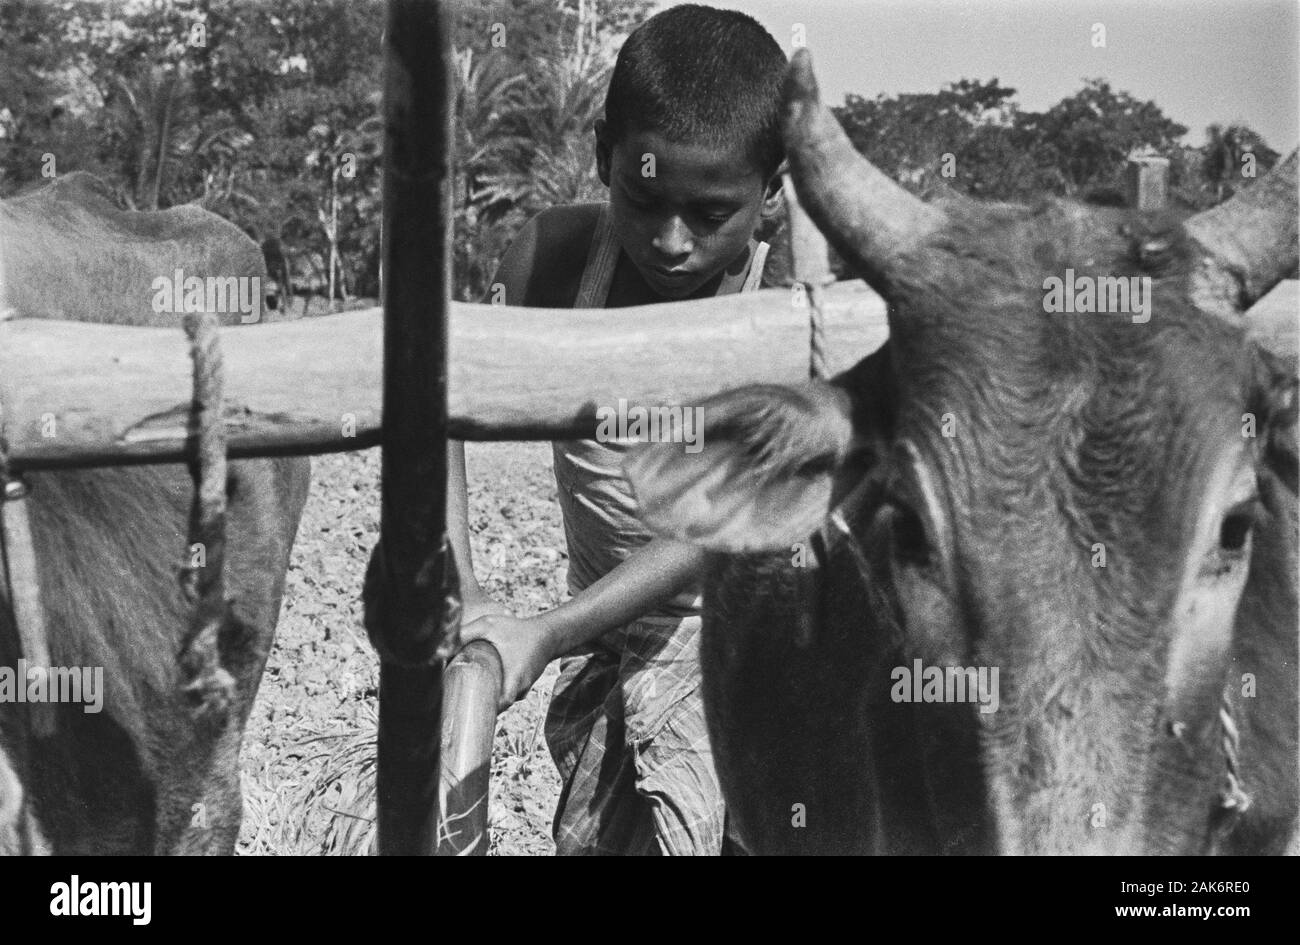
{"x": 674, "y": 241}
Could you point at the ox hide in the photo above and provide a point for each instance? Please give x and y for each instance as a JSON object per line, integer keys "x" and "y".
{"x": 142, "y": 774}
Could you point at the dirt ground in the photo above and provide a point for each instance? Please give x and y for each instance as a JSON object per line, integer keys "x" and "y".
{"x": 309, "y": 754}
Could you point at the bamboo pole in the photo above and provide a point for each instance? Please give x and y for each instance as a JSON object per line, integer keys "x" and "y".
{"x": 412, "y": 602}
{"x": 471, "y": 691}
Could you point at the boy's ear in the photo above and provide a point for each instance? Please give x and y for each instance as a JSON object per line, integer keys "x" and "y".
{"x": 603, "y": 150}
{"x": 774, "y": 195}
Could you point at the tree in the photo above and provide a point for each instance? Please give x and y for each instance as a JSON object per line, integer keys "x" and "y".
{"x": 973, "y": 137}
{"x": 136, "y": 61}
{"x": 1004, "y": 162}
{"x": 298, "y": 160}
{"x": 531, "y": 82}
{"x": 908, "y": 136}
{"x": 1223, "y": 165}
{"x": 1087, "y": 137}
{"x": 46, "y": 103}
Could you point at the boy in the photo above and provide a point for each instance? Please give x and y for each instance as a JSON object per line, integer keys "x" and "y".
{"x": 689, "y": 148}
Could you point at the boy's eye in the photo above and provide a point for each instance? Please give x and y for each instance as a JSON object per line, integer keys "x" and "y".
{"x": 714, "y": 215}
{"x": 639, "y": 200}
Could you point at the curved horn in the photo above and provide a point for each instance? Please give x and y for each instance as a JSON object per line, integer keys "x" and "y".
{"x": 866, "y": 216}
{"x": 1248, "y": 244}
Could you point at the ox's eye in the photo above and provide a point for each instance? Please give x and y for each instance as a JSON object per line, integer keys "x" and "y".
{"x": 908, "y": 543}
{"x": 1235, "y": 531}
{"x": 917, "y": 583}
{"x": 1238, "y": 523}
{"x": 1233, "y": 544}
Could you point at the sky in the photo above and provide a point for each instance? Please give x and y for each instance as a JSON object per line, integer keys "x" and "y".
{"x": 1201, "y": 61}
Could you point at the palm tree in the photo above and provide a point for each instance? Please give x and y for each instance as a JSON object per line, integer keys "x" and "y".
{"x": 561, "y": 121}
{"x": 488, "y": 90}
{"x": 149, "y": 108}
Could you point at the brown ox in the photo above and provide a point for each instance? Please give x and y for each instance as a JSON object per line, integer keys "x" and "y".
{"x": 1101, "y": 508}
{"x": 142, "y": 775}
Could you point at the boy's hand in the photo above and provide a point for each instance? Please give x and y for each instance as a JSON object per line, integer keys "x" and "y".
{"x": 524, "y": 646}
{"x": 473, "y": 607}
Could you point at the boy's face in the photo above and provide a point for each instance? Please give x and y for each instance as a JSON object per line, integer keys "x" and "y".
{"x": 682, "y": 212}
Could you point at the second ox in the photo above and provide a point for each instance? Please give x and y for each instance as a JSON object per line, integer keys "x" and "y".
{"x": 1101, "y": 508}
{"x": 140, "y": 772}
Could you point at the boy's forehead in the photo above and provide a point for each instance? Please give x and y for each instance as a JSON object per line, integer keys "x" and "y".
{"x": 651, "y": 157}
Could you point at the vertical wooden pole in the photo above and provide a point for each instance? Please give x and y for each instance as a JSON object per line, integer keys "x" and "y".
{"x": 1147, "y": 178}
{"x": 412, "y": 602}
{"x": 810, "y": 265}
{"x": 809, "y": 255}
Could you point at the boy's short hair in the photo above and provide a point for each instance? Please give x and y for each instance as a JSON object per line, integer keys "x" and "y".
{"x": 693, "y": 73}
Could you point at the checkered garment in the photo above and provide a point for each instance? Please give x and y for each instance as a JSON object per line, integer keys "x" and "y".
{"x": 626, "y": 729}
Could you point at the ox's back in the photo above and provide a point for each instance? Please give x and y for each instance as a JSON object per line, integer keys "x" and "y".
{"x": 67, "y": 252}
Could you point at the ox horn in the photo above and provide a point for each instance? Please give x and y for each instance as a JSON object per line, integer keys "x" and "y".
{"x": 1248, "y": 244}
{"x": 868, "y": 218}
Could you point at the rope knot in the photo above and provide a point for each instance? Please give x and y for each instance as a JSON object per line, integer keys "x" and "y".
{"x": 208, "y": 688}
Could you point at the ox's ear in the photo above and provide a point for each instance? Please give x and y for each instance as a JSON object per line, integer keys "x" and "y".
{"x": 770, "y": 457}
{"x": 1274, "y": 402}
{"x": 762, "y": 476}
{"x": 1281, "y": 395}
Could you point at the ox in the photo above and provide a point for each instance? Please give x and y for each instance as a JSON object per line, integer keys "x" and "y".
{"x": 1100, "y": 507}
{"x": 143, "y": 775}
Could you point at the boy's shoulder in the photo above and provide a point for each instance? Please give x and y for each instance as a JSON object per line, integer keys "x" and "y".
{"x": 543, "y": 267}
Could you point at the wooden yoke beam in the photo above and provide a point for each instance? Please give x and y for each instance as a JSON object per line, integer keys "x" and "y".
{"x": 76, "y": 394}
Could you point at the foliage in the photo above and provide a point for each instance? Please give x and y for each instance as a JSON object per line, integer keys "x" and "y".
{"x": 1231, "y": 159}
{"x": 1088, "y": 136}
{"x": 907, "y": 136}
{"x": 973, "y": 137}
{"x": 37, "y": 81}
{"x": 269, "y": 112}
{"x": 531, "y": 78}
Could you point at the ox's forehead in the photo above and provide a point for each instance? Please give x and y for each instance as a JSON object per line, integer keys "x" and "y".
{"x": 1120, "y": 408}
{"x": 1059, "y": 303}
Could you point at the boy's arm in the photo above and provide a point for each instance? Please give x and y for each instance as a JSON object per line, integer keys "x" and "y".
{"x": 651, "y": 576}
{"x": 475, "y": 601}
{"x": 513, "y": 273}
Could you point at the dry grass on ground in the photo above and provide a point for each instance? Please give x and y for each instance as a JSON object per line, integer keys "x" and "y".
{"x": 310, "y": 750}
